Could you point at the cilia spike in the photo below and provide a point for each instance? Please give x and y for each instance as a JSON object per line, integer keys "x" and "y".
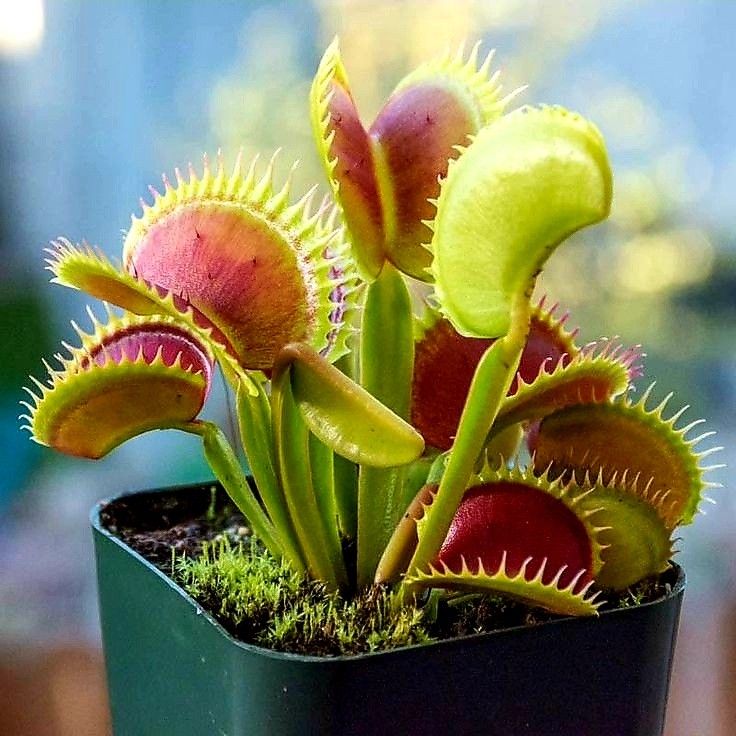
{"x": 129, "y": 376}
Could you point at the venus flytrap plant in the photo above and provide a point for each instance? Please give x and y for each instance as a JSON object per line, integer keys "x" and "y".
{"x": 402, "y": 441}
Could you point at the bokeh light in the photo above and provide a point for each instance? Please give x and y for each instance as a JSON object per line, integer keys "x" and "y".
{"x": 21, "y": 26}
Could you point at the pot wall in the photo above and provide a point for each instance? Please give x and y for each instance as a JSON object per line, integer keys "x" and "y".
{"x": 172, "y": 670}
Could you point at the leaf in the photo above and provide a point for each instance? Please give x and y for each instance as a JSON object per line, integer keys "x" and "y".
{"x": 383, "y": 178}
{"x": 593, "y": 376}
{"x": 630, "y": 441}
{"x": 89, "y": 270}
{"x": 131, "y": 375}
{"x": 527, "y": 585}
{"x": 503, "y": 445}
{"x": 635, "y": 539}
{"x": 549, "y": 343}
{"x": 400, "y": 548}
{"x": 522, "y": 535}
{"x": 81, "y": 267}
{"x": 386, "y": 339}
{"x": 348, "y": 159}
{"x": 224, "y": 464}
{"x": 345, "y": 474}
{"x": 345, "y": 416}
{"x": 492, "y": 379}
{"x": 318, "y": 535}
{"x": 322, "y": 464}
{"x": 254, "y": 423}
{"x": 432, "y": 110}
{"x": 444, "y": 365}
{"x": 346, "y": 495}
{"x": 524, "y": 516}
{"x": 523, "y": 185}
{"x": 265, "y": 271}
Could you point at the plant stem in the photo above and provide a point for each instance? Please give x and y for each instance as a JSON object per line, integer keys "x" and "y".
{"x": 346, "y": 495}
{"x": 346, "y": 475}
{"x": 490, "y": 384}
{"x": 319, "y": 543}
{"x": 224, "y": 463}
{"x": 386, "y": 368}
{"x": 254, "y": 421}
{"x": 322, "y": 465}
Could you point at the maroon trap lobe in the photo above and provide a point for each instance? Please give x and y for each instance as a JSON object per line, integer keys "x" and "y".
{"x": 521, "y": 522}
{"x": 445, "y": 362}
{"x": 417, "y": 130}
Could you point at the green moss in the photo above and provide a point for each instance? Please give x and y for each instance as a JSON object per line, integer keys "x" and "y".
{"x": 263, "y": 601}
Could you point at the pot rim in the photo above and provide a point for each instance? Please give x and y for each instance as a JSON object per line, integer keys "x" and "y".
{"x": 98, "y": 527}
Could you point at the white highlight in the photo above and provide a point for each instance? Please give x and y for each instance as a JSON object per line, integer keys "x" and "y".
{"x": 22, "y": 25}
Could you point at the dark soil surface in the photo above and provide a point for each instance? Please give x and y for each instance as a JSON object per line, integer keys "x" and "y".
{"x": 159, "y": 525}
{"x": 155, "y": 524}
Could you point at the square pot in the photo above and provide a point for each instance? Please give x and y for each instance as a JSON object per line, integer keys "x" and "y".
{"x": 173, "y": 670}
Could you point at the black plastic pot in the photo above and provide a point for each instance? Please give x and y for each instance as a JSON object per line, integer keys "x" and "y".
{"x": 173, "y": 670}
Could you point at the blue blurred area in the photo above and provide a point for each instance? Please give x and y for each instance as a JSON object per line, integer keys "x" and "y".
{"x": 19, "y": 455}
{"x": 679, "y": 57}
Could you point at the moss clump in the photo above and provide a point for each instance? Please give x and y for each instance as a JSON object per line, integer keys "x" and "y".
{"x": 263, "y": 601}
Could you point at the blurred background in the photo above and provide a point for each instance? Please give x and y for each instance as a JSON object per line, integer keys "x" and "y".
{"x": 98, "y": 98}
